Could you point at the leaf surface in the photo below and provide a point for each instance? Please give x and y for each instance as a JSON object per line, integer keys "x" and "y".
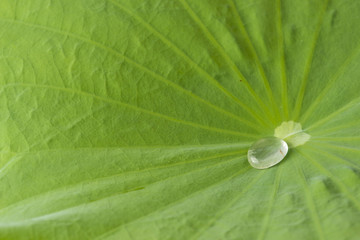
{"x": 131, "y": 119}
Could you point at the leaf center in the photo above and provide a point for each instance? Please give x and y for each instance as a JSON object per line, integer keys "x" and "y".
{"x": 291, "y": 132}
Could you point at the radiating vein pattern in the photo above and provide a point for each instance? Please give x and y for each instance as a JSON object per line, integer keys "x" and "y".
{"x": 132, "y": 119}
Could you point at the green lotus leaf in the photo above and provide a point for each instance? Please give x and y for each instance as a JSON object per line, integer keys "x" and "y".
{"x": 131, "y": 119}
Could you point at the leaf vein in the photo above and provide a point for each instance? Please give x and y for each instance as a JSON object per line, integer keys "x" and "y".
{"x": 233, "y": 66}
{"x": 149, "y": 72}
{"x": 300, "y": 97}
{"x": 152, "y": 113}
{"x": 191, "y": 62}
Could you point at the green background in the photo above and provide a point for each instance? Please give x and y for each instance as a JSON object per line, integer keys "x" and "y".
{"x": 131, "y": 119}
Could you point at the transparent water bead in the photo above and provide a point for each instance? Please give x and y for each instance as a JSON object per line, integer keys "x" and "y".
{"x": 267, "y": 152}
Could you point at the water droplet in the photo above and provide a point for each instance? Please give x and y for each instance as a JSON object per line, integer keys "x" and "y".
{"x": 267, "y": 152}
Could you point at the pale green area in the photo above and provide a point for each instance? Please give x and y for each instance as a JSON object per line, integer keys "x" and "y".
{"x": 292, "y": 133}
{"x": 267, "y": 152}
{"x": 131, "y": 119}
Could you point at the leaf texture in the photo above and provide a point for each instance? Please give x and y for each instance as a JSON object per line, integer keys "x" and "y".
{"x": 131, "y": 119}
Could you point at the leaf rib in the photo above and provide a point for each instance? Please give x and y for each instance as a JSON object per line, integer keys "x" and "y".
{"x": 268, "y": 213}
{"x": 301, "y": 93}
{"x": 340, "y": 127}
{"x": 344, "y": 108}
{"x": 191, "y": 62}
{"x": 343, "y": 188}
{"x": 332, "y": 146}
{"x": 112, "y": 231}
{"x": 332, "y": 156}
{"x": 8, "y": 165}
{"x": 227, "y": 58}
{"x": 156, "y": 75}
{"x": 69, "y": 210}
{"x": 223, "y": 210}
{"x": 284, "y": 87}
{"x": 253, "y": 51}
{"x": 119, "y": 103}
{"x": 337, "y": 139}
{"x": 204, "y": 147}
{"x": 330, "y": 84}
{"x": 111, "y": 178}
{"x": 310, "y": 203}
